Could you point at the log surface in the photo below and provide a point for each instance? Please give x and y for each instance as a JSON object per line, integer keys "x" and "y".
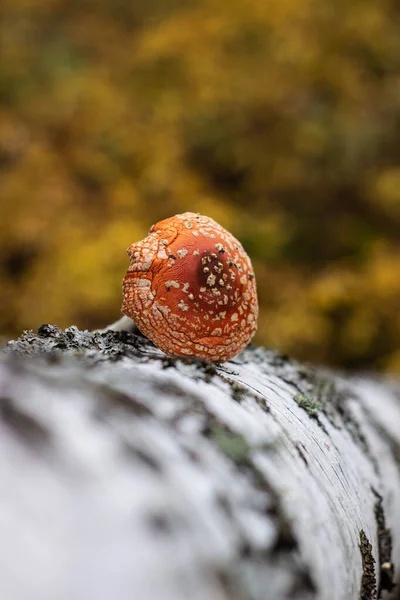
{"x": 132, "y": 475}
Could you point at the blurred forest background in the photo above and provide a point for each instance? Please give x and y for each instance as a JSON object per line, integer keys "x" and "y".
{"x": 279, "y": 118}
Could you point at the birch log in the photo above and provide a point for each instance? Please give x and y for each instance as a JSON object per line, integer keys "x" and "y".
{"x": 130, "y": 475}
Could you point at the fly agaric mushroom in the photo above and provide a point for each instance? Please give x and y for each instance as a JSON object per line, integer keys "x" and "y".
{"x": 191, "y": 289}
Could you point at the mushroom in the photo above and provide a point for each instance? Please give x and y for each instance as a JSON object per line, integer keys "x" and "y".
{"x": 191, "y": 289}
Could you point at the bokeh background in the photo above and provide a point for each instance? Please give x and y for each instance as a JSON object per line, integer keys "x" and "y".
{"x": 279, "y": 118}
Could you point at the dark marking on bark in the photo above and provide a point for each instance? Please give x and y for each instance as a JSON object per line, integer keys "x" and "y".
{"x": 240, "y": 392}
{"x": 384, "y": 546}
{"x": 170, "y": 388}
{"x": 194, "y": 456}
{"x": 230, "y": 587}
{"x": 24, "y": 425}
{"x": 304, "y": 582}
{"x": 159, "y": 523}
{"x": 206, "y": 370}
{"x": 368, "y": 580}
{"x": 301, "y": 452}
{"x": 222, "y": 368}
{"x": 110, "y": 400}
{"x": 144, "y": 457}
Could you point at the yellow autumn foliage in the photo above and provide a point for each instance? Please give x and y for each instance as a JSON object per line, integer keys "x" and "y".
{"x": 279, "y": 119}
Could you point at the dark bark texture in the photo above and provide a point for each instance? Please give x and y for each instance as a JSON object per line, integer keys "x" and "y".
{"x": 127, "y": 474}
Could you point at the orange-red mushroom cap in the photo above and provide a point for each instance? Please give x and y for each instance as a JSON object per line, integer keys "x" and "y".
{"x": 191, "y": 289}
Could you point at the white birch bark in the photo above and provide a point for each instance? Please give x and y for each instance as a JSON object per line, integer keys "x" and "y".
{"x": 130, "y": 475}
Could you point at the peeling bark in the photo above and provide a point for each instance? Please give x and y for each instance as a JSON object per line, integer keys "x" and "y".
{"x": 130, "y": 474}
